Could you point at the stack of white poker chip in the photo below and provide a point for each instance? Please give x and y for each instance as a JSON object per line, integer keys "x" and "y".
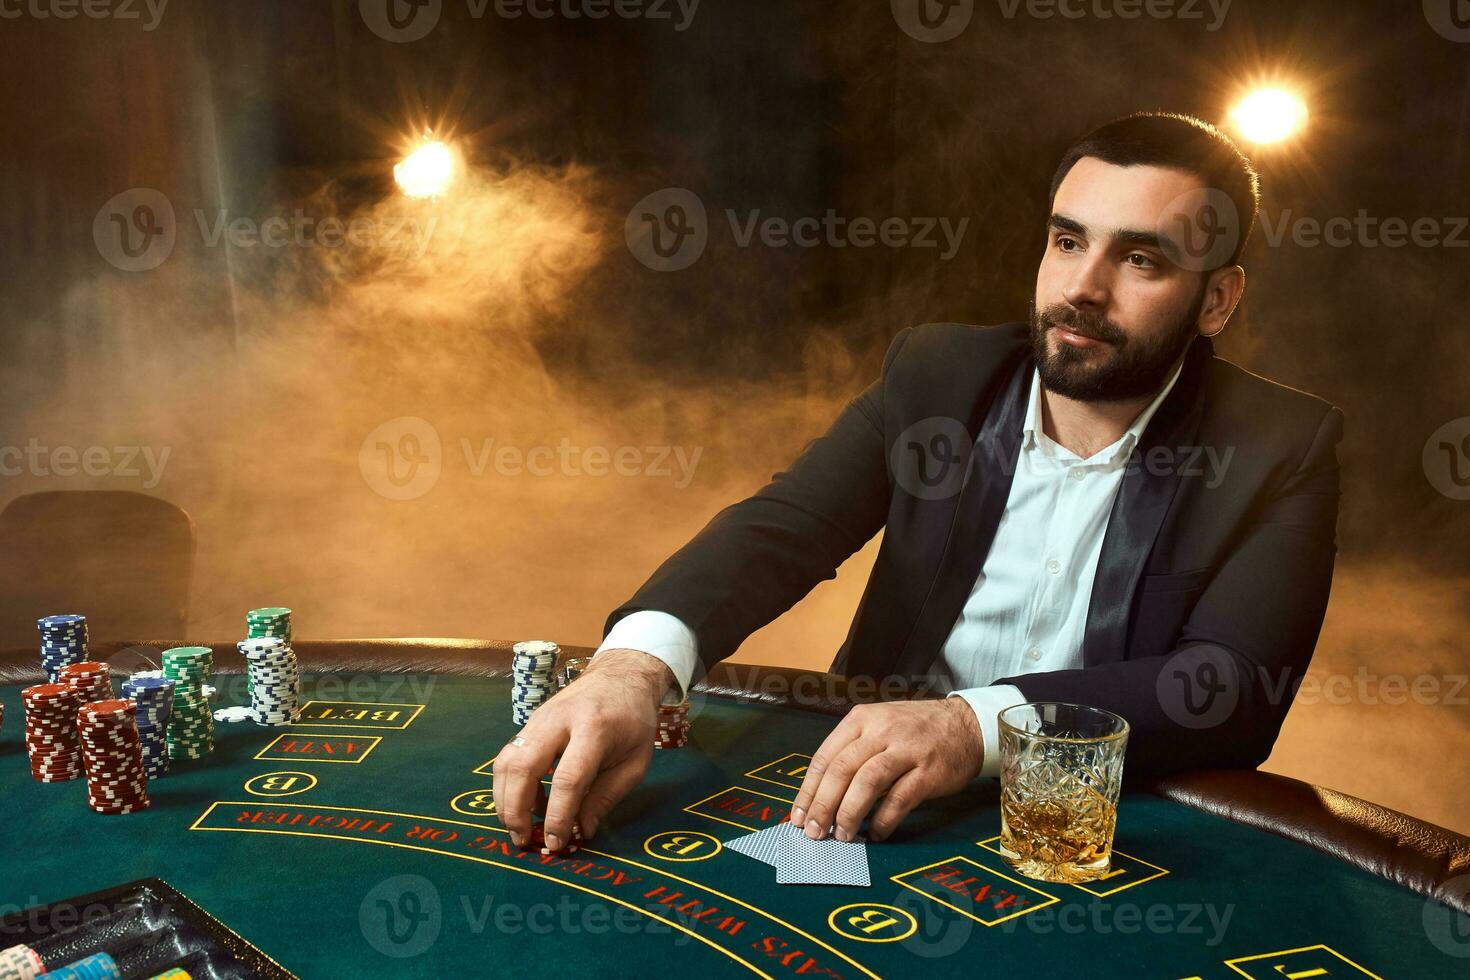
{"x": 275, "y": 683}
{"x": 534, "y": 670}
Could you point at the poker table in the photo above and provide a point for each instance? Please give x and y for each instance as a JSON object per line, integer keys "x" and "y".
{"x": 363, "y": 842}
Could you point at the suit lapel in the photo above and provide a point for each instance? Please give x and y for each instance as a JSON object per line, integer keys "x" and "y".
{"x": 1139, "y": 509}
{"x": 982, "y": 500}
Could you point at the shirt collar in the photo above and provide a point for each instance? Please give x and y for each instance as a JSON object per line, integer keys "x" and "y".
{"x": 1032, "y": 433}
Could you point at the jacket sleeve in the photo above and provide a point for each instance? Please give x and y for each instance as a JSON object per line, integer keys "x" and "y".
{"x": 757, "y": 558}
{"x": 1218, "y": 699}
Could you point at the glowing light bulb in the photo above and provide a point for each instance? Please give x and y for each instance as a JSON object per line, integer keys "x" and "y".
{"x": 1269, "y": 115}
{"x": 427, "y": 171}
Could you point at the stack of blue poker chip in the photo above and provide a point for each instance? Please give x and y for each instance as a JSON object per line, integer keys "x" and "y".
{"x": 275, "y": 681}
{"x": 63, "y": 642}
{"x": 154, "y": 695}
{"x": 533, "y": 667}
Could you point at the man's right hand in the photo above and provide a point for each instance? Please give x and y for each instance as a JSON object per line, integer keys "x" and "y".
{"x": 602, "y": 728}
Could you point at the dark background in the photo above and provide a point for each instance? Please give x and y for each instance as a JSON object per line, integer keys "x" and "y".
{"x": 263, "y": 370}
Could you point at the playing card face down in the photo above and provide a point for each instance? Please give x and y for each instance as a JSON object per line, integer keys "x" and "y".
{"x": 761, "y": 845}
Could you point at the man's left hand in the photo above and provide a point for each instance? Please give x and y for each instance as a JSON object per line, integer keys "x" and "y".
{"x": 911, "y": 750}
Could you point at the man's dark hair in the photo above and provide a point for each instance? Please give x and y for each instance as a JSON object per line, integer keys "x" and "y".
{"x": 1167, "y": 139}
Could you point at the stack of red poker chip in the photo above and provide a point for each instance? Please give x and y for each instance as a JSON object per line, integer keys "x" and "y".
{"x": 51, "y": 732}
{"x": 113, "y": 755}
{"x": 673, "y": 726}
{"x": 90, "y": 679}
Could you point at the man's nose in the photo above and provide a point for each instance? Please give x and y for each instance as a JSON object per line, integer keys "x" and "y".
{"x": 1088, "y": 287}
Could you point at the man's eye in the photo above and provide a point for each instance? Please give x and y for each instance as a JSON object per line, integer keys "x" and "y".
{"x": 1064, "y": 243}
{"x": 1141, "y": 261}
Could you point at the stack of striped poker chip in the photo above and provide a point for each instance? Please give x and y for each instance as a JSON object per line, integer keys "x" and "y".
{"x": 90, "y": 679}
{"x": 63, "y": 641}
{"x": 51, "y": 732}
{"x": 154, "y": 696}
{"x": 112, "y": 753}
{"x": 275, "y": 683}
{"x": 98, "y": 966}
{"x": 20, "y": 963}
{"x": 190, "y": 723}
{"x": 533, "y": 666}
{"x": 673, "y": 726}
{"x": 268, "y": 621}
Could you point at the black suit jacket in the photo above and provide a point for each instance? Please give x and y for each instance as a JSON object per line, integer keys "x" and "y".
{"x": 1209, "y": 593}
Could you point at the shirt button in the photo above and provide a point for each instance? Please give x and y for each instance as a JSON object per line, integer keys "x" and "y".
{"x": 1053, "y": 566}
{"x": 1033, "y": 654}
{"x": 1078, "y": 474}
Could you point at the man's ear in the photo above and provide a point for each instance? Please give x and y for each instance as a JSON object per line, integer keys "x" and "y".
{"x": 1222, "y": 296}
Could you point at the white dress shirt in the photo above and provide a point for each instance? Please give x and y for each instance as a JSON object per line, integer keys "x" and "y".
{"x": 1027, "y": 611}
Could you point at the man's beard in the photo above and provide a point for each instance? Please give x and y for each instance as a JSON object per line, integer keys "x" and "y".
{"x": 1130, "y": 368}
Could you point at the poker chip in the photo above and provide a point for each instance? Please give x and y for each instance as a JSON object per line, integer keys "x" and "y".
{"x": 672, "y": 731}
{"x": 63, "y": 642}
{"x": 274, "y": 679}
{"x": 21, "y": 963}
{"x": 533, "y": 677}
{"x": 51, "y": 732}
{"x": 190, "y": 729}
{"x": 112, "y": 755}
{"x": 153, "y": 700}
{"x": 538, "y": 840}
{"x": 98, "y": 966}
{"x": 90, "y": 678}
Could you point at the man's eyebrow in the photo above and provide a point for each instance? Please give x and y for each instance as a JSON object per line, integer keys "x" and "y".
{"x": 1126, "y": 236}
{"x": 1061, "y": 222}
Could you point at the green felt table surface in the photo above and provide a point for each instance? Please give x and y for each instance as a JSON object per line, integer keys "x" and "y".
{"x": 381, "y": 857}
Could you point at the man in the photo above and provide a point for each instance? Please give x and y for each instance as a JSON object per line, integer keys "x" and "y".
{"x": 1088, "y": 507}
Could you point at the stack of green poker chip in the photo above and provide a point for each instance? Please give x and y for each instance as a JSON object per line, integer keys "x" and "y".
{"x": 191, "y": 723}
{"x": 267, "y": 621}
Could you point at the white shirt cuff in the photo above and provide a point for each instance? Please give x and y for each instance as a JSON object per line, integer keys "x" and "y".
{"x": 662, "y": 636}
{"x": 987, "y": 703}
